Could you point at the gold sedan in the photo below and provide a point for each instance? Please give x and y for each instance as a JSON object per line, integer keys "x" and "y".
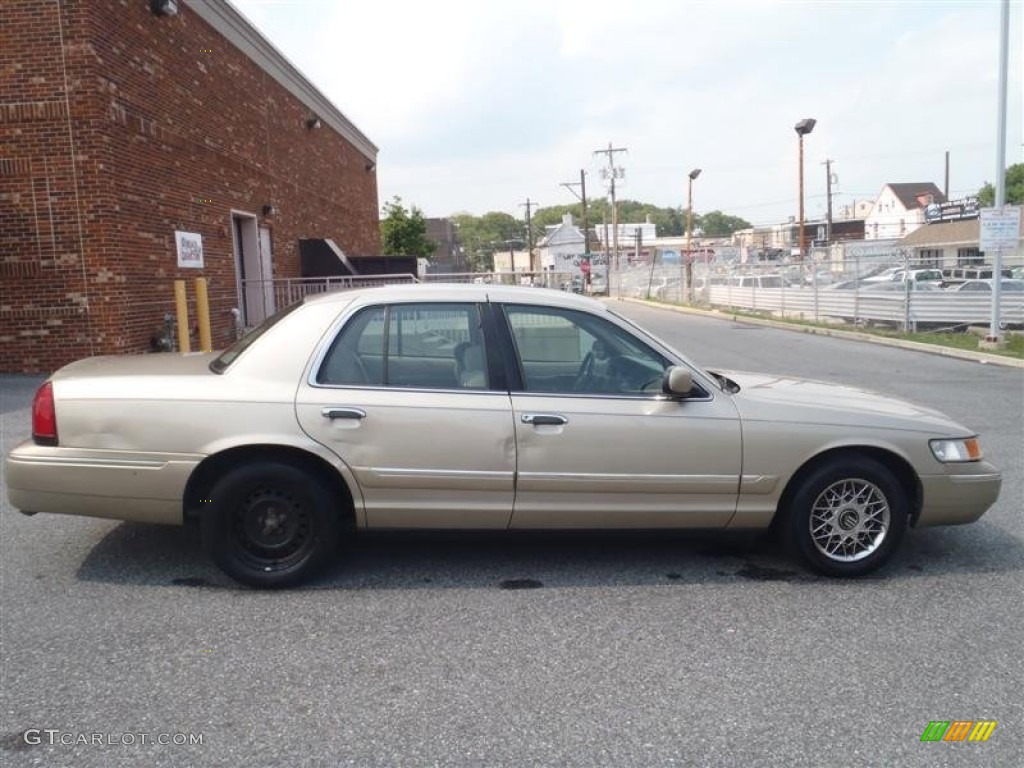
{"x": 482, "y": 407}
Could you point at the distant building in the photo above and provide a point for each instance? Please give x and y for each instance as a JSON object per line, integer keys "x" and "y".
{"x": 512, "y": 261}
{"x": 899, "y": 209}
{"x": 857, "y": 209}
{"x": 563, "y": 251}
{"x": 146, "y": 142}
{"x": 448, "y": 256}
{"x": 955, "y": 242}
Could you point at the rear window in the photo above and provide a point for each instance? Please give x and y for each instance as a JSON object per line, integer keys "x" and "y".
{"x": 229, "y": 355}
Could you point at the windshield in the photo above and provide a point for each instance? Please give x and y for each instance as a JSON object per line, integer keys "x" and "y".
{"x": 229, "y": 355}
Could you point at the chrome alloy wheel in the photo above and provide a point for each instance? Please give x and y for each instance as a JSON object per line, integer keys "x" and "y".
{"x": 849, "y": 520}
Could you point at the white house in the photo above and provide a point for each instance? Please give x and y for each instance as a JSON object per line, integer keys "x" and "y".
{"x": 899, "y": 209}
{"x": 563, "y": 251}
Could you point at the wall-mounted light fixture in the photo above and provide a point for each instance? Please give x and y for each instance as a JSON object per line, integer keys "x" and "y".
{"x": 269, "y": 210}
{"x": 164, "y": 7}
{"x": 314, "y": 123}
{"x": 371, "y": 167}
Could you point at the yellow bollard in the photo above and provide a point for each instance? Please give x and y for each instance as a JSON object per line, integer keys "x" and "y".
{"x": 181, "y": 306}
{"x": 203, "y": 312}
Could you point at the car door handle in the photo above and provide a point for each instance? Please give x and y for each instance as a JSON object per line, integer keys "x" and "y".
{"x": 343, "y": 413}
{"x": 541, "y": 419}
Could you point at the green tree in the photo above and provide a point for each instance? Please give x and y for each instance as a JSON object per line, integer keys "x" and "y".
{"x": 481, "y": 236}
{"x": 718, "y": 224}
{"x": 403, "y": 232}
{"x": 1014, "y": 188}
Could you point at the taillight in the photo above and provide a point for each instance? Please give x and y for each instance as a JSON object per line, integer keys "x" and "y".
{"x": 44, "y": 416}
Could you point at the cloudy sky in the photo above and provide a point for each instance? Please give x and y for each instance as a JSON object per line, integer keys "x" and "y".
{"x": 478, "y": 104}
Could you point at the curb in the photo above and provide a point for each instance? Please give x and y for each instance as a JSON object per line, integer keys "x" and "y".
{"x": 961, "y": 354}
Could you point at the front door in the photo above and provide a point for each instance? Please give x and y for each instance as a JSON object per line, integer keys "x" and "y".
{"x": 403, "y": 397}
{"x": 598, "y": 444}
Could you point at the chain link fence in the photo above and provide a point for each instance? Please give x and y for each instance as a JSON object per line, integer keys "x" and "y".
{"x": 865, "y": 286}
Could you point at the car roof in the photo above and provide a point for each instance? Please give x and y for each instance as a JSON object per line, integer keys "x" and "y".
{"x": 476, "y": 292}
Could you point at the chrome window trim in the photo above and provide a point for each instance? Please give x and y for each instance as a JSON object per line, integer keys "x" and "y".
{"x": 611, "y": 396}
{"x": 376, "y": 388}
{"x": 354, "y": 308}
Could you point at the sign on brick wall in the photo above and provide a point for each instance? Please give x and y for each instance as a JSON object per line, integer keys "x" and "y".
{"x": 190, "y": 249}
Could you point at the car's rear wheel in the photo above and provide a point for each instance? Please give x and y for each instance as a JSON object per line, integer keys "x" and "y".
{"x": 270, "y": 524}
{"x": 847, "y": 516}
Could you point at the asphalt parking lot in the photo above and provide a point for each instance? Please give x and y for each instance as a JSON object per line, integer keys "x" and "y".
{"x": 574, "y": 650}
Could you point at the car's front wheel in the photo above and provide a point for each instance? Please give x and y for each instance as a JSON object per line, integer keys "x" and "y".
{"x": 848, "y": 516}
{"x": 270, "y": 524}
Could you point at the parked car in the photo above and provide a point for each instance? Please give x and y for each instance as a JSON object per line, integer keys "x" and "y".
{"x": 900, "y": 287}
{"x": 759, "y": 281}
{"x": 903, "y": 274}
{"x": 482, "y": 407}
{"x": 973, "y": 272}
{"x": 928, "y": 275}
{"x": 846, "y": 285}
{"x": 882, "y": 276}
{"x": 985, "y": 286}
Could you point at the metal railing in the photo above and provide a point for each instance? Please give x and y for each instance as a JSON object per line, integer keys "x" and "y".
{"x": 261, "y": 298}
{"x": 544, "y": 279}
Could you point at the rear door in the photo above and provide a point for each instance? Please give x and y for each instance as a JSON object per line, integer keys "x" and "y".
{"x": 403, "y": 395}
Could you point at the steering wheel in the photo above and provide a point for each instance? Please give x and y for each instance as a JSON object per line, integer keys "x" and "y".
{"x": 650, "y": 383}
{"x": 584, "y": 373}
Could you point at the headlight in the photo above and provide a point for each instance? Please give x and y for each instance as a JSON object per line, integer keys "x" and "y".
{"x": 968, "y": 449}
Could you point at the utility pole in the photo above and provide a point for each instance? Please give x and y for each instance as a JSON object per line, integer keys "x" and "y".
{"x": 828, "y": 216}
{"x": 529, "y": 232}
{"x": 994, "y": 337}
{"x": 582, "y": 197}
{"x": 689, "y": 230}
{"x": 610, "y": 174}
{"x": 945, "y": 189}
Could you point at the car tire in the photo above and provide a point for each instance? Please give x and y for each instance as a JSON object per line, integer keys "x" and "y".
{"x": 847, "y": 516}
{"x": 270, "y": 524}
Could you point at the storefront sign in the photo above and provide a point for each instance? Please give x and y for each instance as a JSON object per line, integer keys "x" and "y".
{"x": 954, "y": 210}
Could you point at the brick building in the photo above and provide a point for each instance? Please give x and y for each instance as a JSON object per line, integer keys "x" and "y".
{"x": 124, "y": 122}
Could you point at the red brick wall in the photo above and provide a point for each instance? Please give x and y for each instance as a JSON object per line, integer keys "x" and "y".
{"x": 171, "y": 128}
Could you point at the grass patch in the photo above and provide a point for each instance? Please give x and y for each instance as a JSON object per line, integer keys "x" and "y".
{"x": 1014, "y": 341}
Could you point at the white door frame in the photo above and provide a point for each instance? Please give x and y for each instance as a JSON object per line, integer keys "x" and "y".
{"x": 246, "y": 256}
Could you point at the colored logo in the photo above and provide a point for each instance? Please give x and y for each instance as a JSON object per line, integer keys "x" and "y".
{"x": 958, "y": 730}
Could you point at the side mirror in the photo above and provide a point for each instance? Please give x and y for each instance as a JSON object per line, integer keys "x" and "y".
{"x": 677, "y": 381}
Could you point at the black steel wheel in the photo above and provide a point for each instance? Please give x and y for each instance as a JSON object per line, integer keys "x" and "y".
{"x": 847, "y": 517}
{"x": 270, "y": 524}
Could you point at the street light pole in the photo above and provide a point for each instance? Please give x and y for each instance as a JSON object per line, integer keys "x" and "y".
{"x": 803, "y": 128}
{"x": 689, "y": 230}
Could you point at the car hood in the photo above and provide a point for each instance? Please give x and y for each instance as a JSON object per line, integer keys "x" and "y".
{"x": 785, "y": 398}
